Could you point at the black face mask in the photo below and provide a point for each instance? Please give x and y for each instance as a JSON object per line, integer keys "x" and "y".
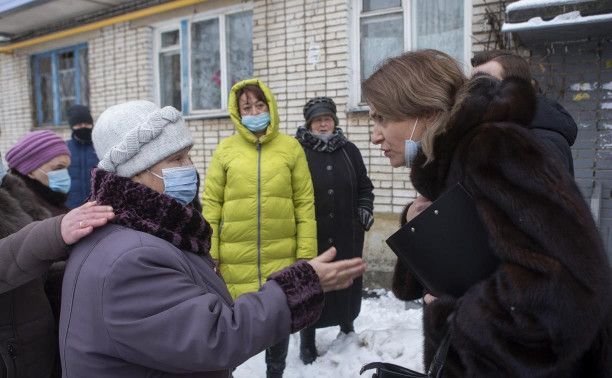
{"x": 83, "y": 134}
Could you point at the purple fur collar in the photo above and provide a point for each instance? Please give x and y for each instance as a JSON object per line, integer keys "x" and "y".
{"x": 143, "y": 209}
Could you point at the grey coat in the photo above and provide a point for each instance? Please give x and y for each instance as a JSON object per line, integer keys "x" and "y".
{"x": 29, "y": 253}
{"x": 134, "y": 305}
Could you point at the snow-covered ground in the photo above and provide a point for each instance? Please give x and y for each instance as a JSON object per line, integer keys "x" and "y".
{"x": 384, "y": 331}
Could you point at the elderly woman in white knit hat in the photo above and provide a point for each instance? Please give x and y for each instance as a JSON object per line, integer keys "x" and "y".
{"x": 141, "y": 296}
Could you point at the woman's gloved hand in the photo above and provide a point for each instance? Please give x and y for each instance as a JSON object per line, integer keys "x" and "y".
{"x": 366, "y": 218}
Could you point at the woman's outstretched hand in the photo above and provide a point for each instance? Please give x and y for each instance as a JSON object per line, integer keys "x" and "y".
{"x": 338, "y": 274}
{"x": 81, "y": 221}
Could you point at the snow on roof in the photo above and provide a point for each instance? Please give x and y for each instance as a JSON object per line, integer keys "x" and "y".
{"x": 526, "y": 4}
{"x": 571, "y": 18}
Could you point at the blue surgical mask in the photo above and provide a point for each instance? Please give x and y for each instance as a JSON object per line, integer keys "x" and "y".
{"x": 181, "y": 183}
{"x": 59, "y": 180}
{"x": 2, "y": 171}
{"x": 412, "y": 147}
{"x": 257, "y": 122}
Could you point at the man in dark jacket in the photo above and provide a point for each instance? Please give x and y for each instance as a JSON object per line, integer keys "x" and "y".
{"x": 552, "y": 124}
{"x": 82, "y": 154}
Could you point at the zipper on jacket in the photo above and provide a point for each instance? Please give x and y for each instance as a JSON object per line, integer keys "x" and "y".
{"x": 258, "y": 146}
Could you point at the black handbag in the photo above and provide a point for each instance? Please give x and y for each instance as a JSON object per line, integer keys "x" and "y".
{"x": 387, "y": 370}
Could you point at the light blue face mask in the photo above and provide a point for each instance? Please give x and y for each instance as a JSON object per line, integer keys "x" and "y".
{"x": 324, "y": 137}
{"x": 180, "y": 183}
{"x": 2, "y": 171}
{"x": 257, "y": 122}
{"x": 412, "y": 147}
{"x": 59, "y": 180}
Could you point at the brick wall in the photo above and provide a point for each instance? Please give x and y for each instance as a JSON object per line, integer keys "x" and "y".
{"x": 120, "y": 66}
{"x": 15, "y": 107}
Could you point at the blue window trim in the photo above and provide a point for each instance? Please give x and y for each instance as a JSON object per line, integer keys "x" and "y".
{"x": 53, "y": 54}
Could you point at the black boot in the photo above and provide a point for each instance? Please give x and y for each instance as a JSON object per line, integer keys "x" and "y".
{"x": 275, "y": 359}
{"x": 347, "y": 328}
{"x": 308, "y": 349}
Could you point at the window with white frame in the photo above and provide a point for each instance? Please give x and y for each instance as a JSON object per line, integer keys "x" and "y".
{"x": 199, "y": 59}
{"x": 60, "y": 79}
{"x": 386, "y": 28}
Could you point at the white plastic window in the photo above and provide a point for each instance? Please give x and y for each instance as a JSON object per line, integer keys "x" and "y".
{"x": 385, "y": 28}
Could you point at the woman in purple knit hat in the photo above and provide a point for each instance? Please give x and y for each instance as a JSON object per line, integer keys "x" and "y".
{"x": 41, "y": 160}
{"x": 37, "y": 183}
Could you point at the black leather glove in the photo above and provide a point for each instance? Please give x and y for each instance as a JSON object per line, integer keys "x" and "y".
{"x": 366, "y": 217}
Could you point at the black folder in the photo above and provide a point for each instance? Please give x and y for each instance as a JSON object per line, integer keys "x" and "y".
{"x": 446, "y": 246}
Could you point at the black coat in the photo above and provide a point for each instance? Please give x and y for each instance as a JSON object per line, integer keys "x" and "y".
{"x": 546, "y": 311}
{"x": 341, "y": 186}
{"x": 28, "y": 341}
{"x": 555, "y": 128}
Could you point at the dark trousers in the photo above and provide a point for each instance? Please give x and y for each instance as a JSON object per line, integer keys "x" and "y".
{"x": 275, "y": 359}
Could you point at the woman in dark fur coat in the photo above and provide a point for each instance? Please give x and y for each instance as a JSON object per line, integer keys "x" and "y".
{"x": 546, "y": 311}
{"x": 38, "y": 180}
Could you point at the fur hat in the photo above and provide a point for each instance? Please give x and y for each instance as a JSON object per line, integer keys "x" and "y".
{"x": 133, "y": 136}
{"x": 34, "y": 150}
{"x": 79, "y": 114}
{"x": 319, "y": 106}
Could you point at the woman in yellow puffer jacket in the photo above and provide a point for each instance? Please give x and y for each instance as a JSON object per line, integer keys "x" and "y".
{"x": 259, "y": 200}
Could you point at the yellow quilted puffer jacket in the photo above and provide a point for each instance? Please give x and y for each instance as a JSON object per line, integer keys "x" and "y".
{"x": 259, "y": 200}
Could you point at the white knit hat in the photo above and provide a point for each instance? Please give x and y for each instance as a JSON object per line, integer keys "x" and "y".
{"x": 133, "y": 136}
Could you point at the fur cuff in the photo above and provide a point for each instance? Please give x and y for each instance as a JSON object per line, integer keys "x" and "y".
{"x": 304, "y": 293}
{"x": 436, "y": 316}
{"x": 404, "y": 285}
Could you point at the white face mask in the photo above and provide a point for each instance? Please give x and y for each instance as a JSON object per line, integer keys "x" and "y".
{"x": 412, "y": 147}
{"x": 180, "y": 183}
{"x": 324, "y": 137}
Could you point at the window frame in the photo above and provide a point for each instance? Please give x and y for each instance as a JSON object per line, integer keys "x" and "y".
{"x": 183, "y": 25}
{"x": 53, "y": 54}
{"x": 356, "y": 6}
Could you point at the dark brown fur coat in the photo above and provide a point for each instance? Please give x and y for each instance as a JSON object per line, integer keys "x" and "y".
{"x": 546, "y": 311}
{"x": 27, "y": 334}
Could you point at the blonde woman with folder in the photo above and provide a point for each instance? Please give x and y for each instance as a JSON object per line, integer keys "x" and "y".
{"x": 546, "y": 310}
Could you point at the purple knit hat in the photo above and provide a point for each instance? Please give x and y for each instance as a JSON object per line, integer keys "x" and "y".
{"x": 34, "y": 150}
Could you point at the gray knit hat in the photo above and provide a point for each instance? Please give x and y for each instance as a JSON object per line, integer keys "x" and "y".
{"x": 133, "y": 136}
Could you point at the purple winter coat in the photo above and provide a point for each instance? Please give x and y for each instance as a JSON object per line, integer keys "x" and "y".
{"x": 146, "y": 308}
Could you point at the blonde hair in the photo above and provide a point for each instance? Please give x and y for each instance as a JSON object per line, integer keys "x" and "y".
{"x": 422, "y": 83}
